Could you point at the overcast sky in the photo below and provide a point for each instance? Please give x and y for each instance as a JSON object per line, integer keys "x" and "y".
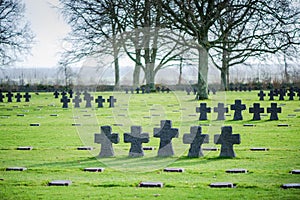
{"x": 49, "y": 29}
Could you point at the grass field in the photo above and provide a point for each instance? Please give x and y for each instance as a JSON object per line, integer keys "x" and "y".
{"x": 55, "y": 155}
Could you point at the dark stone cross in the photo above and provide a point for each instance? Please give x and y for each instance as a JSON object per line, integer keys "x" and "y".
{"x": 18, "y": 97}
{"x": 65, "y": 100}
{"x": 256, "y": 110}
{"x": 106, "y": 138}
{"x": 221, "y": 110}
{"x": 261, "y": 95}
{"x": 126, "y": 90}
{"x": 298, "y": 94}
{"x": 188, "y": 91}
{"x": 131, "y": 90}
{"x": 77, "y": 100}
{"x": 9, "y": 96}
{"x": 196, "y": 139}
{"x": 195, "y": 91}
{"x": 88, "y": 98}
{"x": 136, "y": 138}
{"x": 281, "y": 93}
{"x": 271, "y": 95}
{"x": 203, "y": 110}
{"x": 71, "y": 93}
{"x": 143, "y": 90}
{"x": 274, "y": 110}
{"x": 100, "y": 101}
{"x": 227, "y": 140}
{"x": 137, "y": 90}
{"x": 78, "y": 93}
{"x": 63, "y": 93}
{"x": 1, "y": 97}
{"x": 27, "y": 97}
{"x": 56, "y": 94}
{"x": 166, "y": 134}
{"x": 238, "y": 107}
{"x": 291, "y": 94}
{"x": 111, "y": 101}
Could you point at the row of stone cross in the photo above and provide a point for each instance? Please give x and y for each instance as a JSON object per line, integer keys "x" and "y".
{"x": 238, "y": 107}
{"x": 166, "y": 133}
{"x": 281, "y": 93}
{"x": 88, "y": 99}
{"x": 18, "y": 97}
{"x": 147, "y": 90}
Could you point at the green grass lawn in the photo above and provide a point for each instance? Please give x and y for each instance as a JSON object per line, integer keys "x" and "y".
{"x": 55, "y": 155}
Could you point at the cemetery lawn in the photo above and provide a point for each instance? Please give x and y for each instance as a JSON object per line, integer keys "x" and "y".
{"x": 55, "y": 155}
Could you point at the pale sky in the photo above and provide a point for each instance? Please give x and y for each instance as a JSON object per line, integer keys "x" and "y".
{"x": 49, "y": 28}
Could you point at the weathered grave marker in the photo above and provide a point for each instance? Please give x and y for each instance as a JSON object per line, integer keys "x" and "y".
{"x": 34, "y": 124}
{"x": 274, "y": 110}
{"x": 94, "y": 169}
{"x": 281, "y": 94}
{"x": 86, "y": 148}
{"x": 16, "y": 169}
{"x": 271, "y": 95}
{"x": 221, "y": 110}
{"x": 291, "y": 94}
{"x": 65, "y": 100}
{"x": 238, "y": 107}
{"x": 256, "y": 110}
{"x": 259, "y": 149}
{"x": 9, "y": 96}
{"x": 18, "y": 97}
{"x": 56, "y": 94}
{"x": 227, "y": 140}
{"x": 71, "y": 93}
{"x": 111, "y": 101}
{"x": 27, "y": 97}
{"x": 222, "y": 185}
{"x": 63, "y": 93}
{"x": 195, "y": 139}
{"x": 236, "y": 171}
{"x": 261, "y": 95}
{"x": 29, "y": 148}
{"x": 99, "y": 101}
{"x": 151, "y": 184}
{"x": 77, "y": 100}
{"x": 136, "y": 138}
{"x": 295, "y": 171}
{"x": 60, "y": 183}
{"x": 172, "y": 169}
{"x": 106, "y": 138}
{"x": 166, "y": 134}
{"x": 137, "y": 90}
{"x": 203, "y": 110}
{"x": 291, "y": 185}
{"x": 188, "y": 91}
{"x": 88, "y": 99}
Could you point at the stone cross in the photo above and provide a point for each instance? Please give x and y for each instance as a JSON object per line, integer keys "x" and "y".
{"x": 78, "y": 93}
{"x": 1, "y": 97}
{"x": 137, "y": 90}
{"x": 88, "y": 98}
{"x": 111, "y": 101}
{"x": 106, "y": 138}
{"x": 65, "y": 100}
{"x": 71, "y": 93}
{"x": 274, "y": 110}
{"x": 63, "y": 93}
{"x": 256, "y": 110}
{"x": 131, "y": 90}
{"x": 148, "y": 90}
{"x": 136, "y": 138}
{"x": 227, "y": 140}
{"x": 99, "y": 102}
{"x": 238, "y": 107}
{"x": 188, "y": 91}
{"x": 126, "y": 90}
{"x": 166, "y": 134}
{"x": 221, "y": 110}
{"x": 143, "y": 90}
{"x": 196, "y": 139}
{"x": 77, "y": 100}
{"x": 261, "y": 95}
{"x": 27, "y": 97}
{"x": 195, "y": 91}
{"x": 271, "y": 95}
{"x": 9, "y": 96}
{"x": 291, "y": 94}
{"x": 203, "y": 110}
{"x": 56, "y": 94}
{"x": 281, "y": 94}
{"x": 18, "y": 97}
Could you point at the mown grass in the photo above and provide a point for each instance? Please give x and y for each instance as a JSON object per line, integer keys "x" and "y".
{"x": 55, "y": 156}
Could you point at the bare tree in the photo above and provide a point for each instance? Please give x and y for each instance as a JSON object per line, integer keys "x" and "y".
{"x": 15, "y": 34}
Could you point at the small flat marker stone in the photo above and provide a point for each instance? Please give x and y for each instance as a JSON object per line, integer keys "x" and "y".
{"x": 60, "y": 183}
{"x": 222, "y": 185}
{"x": 204, "y": 124}
{"x": 76, "y": 124}
{"x": 146, "y": 117}
{"x": 297, "y": 110}
{"x": 117, "y": 124}
{"x": 151, "y": 184}
{"x": 173, "y": 170}
{"x": 156, "y": 115}
{"x": 53, "y": 115}
{"x": 282, "y": 125}
{"x": 94, "y": 169}
{"x": 34, "y": 124}
{"x": 192, "y": 115}
{"x": 235, "y": 171}
{"x": 210, "y": 149}
{"x": 87, "y": 115}
{"x": 295, "y": 171}
{"x": 263, "y": 115}
{"x": 291, "y": 185}
{"x": 291, "y": 115}
{"x": 85, "y": 148}
{"x": 10, "y": 109}
{"x": 259, "y": 149}
{"x": 149, "y": 148}
{"x": 249, "y": 125}
{"x": 20, "y": 115}
{"x": 16, "y": 168}
{"x": 15, "y": 106}
{"x": 29, "y": 148}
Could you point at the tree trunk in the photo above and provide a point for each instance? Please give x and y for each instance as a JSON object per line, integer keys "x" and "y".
{"x": 180, "y": 71}
{"x": 223, "y": 79}
{"x": 150, "y": 76}
{"x": 137, "y": 69}
{"x": 116, "y": 64}
{"x": 202, "y": 74}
